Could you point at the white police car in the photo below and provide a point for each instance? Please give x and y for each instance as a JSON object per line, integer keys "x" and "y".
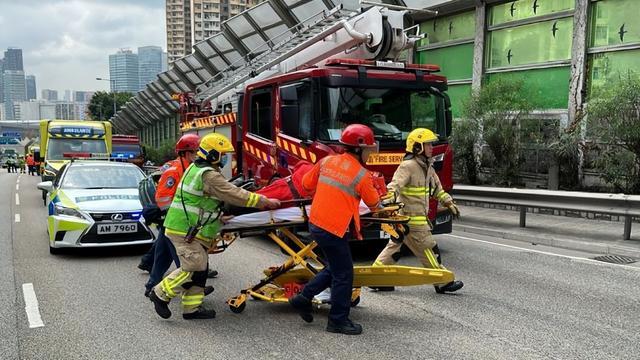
{"x": 95, "y": 203}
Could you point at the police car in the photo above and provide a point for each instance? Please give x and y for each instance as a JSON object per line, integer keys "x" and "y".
{"x": 93, "y": 203}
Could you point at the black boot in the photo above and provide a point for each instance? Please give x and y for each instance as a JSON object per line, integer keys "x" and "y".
{"x": 161, "y": 306}
{"x": 212, "y": 274}
{"x": 347, "y": 328}
{"x": 449, "y": 287}
{"x": 200, "y": 313}
{"x": 144, "y": 266}
{"x": 303, "y": 306}
{"x": 208, "y": 290}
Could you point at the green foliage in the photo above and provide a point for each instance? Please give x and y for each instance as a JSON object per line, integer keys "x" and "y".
{"x": 498, "y": 109}
{"x": 161, "y": 154}
{"x": 101, "y": 104}
{"x": 565, "y": 150}
{"x": 463, "y": 140}
{"x": 614, "y": 119}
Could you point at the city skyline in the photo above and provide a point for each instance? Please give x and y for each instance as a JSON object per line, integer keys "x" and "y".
{"x": 71, "y": 49}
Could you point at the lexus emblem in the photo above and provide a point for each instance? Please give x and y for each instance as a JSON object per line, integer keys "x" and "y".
{"x": 117, "y": 217}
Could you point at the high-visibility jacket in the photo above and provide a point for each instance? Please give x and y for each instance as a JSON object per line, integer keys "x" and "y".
{"x": 339, "y": 181}
{"x": 30, "y": 160}
{"x": 414, "y": 183}
{"x": 202, "y": 189}
{"x": 171, "y": 174}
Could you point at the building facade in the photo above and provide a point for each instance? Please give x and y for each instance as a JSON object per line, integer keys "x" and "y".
{"x": 31, "y": 87}
{"x": 13, "y": 59}
{"x": 123, "y": 71}
{"x": 150, "y": 59}
{"x": 50, "y": 95}
{"x": 14, "y": 90}
{"x": 191, "y": 21}
{"x": 560, "y": 49}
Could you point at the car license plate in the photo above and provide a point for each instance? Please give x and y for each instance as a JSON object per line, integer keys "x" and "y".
{"x": 113, "y": 228}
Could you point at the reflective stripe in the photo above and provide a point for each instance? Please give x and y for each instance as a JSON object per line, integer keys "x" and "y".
{"x": 432, "y": 258}
{"x": 169, "y": 285}
{"x": 442, "y": 194}
{"x": 190, "y": 208}
{"x": 414, "y": 191}
{"x": 418, "y": 220}
{"x": 378, "y": 263}
{"x": 253, "y": 200}
{"x": 188, "y": 188}
{"x": 331, "y": 182}
{"x": 349, "y": 189}
{"x": 192, "y": 300}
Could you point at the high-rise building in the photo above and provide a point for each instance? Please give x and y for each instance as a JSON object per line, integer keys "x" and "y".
{"x": 82, "y": 96}
{"x": 31, "y": 87}
{"x": 13, "y": 59}
{"x": 14, "y": 90}
{"x": 66, "y": 111}
{"x": 191, "y": 21}
{"x": 67, "y": 95}
{"x": 49, "y": 95}
{"x": 165, "y": 62}
{"x": 1, "y": 81}
{"x": 123, "y": 71}
{"x": 149, "y": 64}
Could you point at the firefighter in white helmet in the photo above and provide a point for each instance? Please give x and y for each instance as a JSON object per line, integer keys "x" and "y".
{"x": 193, "y": 222}
{"x": 414, "y": 183}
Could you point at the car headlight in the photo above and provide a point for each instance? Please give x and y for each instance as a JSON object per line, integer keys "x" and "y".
{"x": 62, "y": 210}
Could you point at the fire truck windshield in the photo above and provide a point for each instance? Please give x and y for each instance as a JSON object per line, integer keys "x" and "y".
{"x": 391, "y": 113}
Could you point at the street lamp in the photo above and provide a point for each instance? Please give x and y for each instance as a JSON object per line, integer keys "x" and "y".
{"x": 113, "y": 87}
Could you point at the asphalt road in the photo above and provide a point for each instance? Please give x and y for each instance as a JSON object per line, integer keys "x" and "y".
{"x": 518, "y": 303}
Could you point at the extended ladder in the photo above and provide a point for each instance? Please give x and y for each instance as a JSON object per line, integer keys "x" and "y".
{"x": 294, "y": 40}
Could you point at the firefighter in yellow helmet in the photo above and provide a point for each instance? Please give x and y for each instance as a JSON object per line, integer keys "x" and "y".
{"x": 192, "y": 223}
{"x": 414, "y": 183}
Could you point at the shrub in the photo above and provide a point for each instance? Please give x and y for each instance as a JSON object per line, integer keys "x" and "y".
{"x": 464, "y": 140}
{"x": 614, "y": 119}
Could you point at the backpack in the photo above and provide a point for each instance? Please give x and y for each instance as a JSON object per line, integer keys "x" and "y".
{"x": 147, "y": 195}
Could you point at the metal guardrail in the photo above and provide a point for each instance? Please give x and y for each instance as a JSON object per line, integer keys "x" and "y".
{"x": 613, "y": 204}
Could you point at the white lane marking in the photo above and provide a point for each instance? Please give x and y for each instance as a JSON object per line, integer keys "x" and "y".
{"x": 31, "y": 306}
{"x": 18, "y": 186}
{"x": 17, "y": 217}
{"x": 586, "y": 260}
{"x": 17, "y": 199}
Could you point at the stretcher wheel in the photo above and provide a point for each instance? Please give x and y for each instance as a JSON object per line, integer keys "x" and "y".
{"x": 355, "y": 302}
{"x": 238, "y": 309}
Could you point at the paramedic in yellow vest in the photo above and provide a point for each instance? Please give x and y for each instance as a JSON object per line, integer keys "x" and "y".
{"x": 192, "y": 223}
{"x": 414, "y": 183}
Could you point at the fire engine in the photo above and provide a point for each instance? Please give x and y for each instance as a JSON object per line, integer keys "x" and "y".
{"x": 290, "y": 101}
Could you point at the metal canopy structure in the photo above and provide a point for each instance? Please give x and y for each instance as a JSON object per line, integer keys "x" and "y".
{"x": 242, "y": 39}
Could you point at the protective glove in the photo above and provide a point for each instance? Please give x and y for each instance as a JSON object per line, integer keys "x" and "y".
{"x": 455, "y": 212}
{"x": 389, "y": 198}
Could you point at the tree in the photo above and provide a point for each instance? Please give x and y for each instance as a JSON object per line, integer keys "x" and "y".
{"x": 613, "y": 116}
{"x": 101, "y": 104}
{"x": 498, "y": 109}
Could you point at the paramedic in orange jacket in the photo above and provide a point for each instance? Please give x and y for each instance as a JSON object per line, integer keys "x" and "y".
{"x": 339, "y": 182}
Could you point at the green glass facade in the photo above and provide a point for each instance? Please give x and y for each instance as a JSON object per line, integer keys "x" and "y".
{"x": 532, "y": 40}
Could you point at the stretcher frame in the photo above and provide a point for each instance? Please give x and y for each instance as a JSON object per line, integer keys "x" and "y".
{"x": 303, "y": 263}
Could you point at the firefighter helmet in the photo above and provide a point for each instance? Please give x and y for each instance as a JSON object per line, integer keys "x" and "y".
{"x": 188, "y": 142}
{"x": 417, "y": 137}
{"x": 213, "y": 146}
{"x": 358, "y": 135}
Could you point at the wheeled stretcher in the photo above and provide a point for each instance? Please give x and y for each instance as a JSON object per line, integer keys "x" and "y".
{"x": 283, "y": 281}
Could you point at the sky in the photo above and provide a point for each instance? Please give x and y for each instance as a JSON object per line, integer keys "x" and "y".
{"x": 66, "y": 43}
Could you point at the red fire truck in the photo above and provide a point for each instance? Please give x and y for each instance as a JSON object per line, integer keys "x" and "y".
{"x": 293, "y": 105}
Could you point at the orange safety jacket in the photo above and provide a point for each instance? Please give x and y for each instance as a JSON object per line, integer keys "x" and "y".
{"x": 339, "y": 181}
{"x": 30, "y": 160}
{"x": 168, "y": 184}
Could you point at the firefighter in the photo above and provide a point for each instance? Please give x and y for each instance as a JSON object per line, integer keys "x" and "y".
{"x": 162, "y": 253}
{"x": 414, "y": 183}
{"x": 339, "y": 182}
{"x": 192, "y": 223}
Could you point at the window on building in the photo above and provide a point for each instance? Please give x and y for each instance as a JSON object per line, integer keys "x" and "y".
{"x": 530, "y": 44}
{"x": 261, "y": 117}
{"x": 614, "y": 23}
{"x": 525, "y": 9}
{"x": 448, "y": 28}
